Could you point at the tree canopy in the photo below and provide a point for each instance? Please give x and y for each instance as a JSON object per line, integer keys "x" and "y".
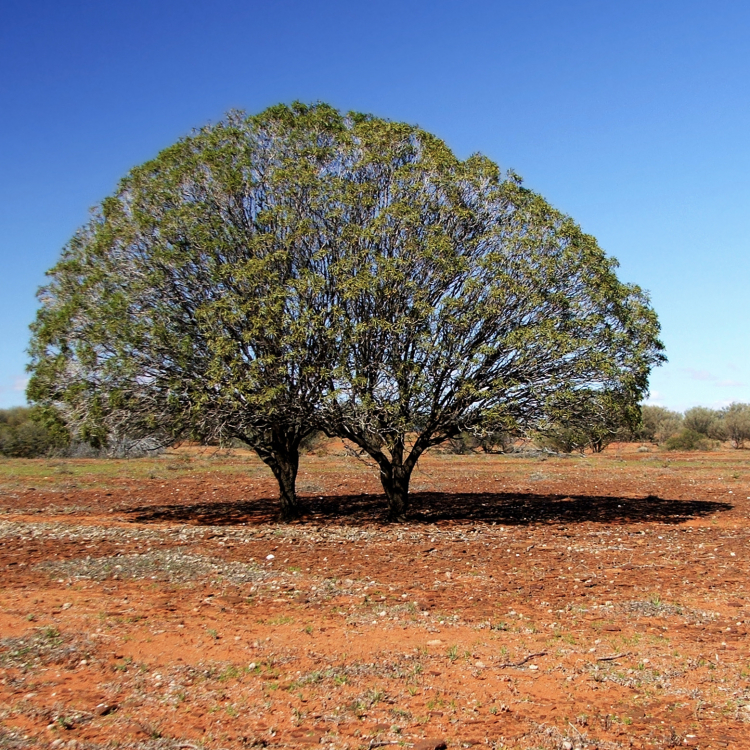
{"x": 303, "y": 269}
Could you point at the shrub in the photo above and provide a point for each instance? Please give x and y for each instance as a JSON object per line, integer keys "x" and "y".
{"x": 563, "y": 439}
{"x": 497, "y": 442}
{"x": 490, "y": 442}
{"x": 24, "y": 435}
{"x": 708, "y": 422}
{"x": 315, "y": 441}
{"x": 737, "y": 423}
{"x": 658, "y": 424}
{"x": 688, "y": 440}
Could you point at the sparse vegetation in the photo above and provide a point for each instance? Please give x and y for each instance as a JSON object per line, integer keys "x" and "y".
{"x": 331, "y": 638}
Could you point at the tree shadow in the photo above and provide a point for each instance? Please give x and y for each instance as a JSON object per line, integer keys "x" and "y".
{"x": 509, "y": 509}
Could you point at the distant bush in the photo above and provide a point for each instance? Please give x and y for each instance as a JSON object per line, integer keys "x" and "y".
{"x": 23, "y": 434}
{"x": 708, "y": 422}
{"x": 658, "y": 424}
{"x": 563, "y": 439}
{"x": 688, "y": 440}
{"x": 315, "y": 441}
{"x": 737, "y": 423}
{"x": 490, "y": 442}
{"x": 497, "y": 442}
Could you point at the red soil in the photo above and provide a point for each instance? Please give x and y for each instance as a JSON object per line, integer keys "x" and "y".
{"x": 559, "y": 603}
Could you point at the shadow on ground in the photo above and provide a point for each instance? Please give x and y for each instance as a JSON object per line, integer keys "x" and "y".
{"x": 442, "y": 508}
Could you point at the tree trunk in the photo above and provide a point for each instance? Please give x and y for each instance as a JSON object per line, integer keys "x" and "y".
{"x": 285, "y": 468}
{"x": 280, "y": 452}
{"x": 395, "y": 481}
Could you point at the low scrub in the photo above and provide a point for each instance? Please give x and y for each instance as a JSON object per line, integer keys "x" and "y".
{"x": 22, "y": 436}
{"x": 689, "y": 440}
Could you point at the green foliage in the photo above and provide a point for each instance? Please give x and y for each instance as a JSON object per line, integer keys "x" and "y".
{"x": 463, "y": 444}
{"x": 589, "y": 419}
{"x": 302, "y": 269}
{"x": 465, "y": 303}
{"x": 707, "y": 422}
{"x": 688, "y": 440}
{"x": 736, "y": 419}
{"x": 562, "y": 439}
{"x": 658, "y": 424}
{"x": 187, "y": 307}
{"x": 26, "y": 433}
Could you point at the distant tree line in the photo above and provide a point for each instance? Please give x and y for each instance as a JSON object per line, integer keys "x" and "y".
{"x": 24, "y": 435}
{"x": 33, "y": 433}
{"x": 698, "y": 428}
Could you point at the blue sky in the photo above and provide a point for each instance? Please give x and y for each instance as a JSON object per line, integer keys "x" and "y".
{"x": 632, "y": 117}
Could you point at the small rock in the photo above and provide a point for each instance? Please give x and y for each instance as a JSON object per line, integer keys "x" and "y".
{"x": 436, "y": 642}
{"x": 270, "y": 557}
{"x": 104, "y": 709}
{"x": 567, "y": 745}
{"x": 479, "y": 664}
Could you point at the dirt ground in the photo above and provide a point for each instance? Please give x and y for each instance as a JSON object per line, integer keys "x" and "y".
{"x": 529, "y": 602}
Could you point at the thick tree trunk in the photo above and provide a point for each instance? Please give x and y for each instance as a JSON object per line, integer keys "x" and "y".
{"x": 285, "y": 469}
{"x": 395, "y": 469}
{"x": 279, "y": 450}
{"x": 395, "y": 481}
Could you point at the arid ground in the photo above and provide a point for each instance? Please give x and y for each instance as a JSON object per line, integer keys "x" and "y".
{"x": 529, "y": 602}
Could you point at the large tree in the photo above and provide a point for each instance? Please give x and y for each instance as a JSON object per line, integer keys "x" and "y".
{"x": 184, "y": 308}
{"x": 305, "y": 269}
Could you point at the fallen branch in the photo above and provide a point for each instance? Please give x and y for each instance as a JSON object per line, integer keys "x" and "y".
{"x": 613, "y": 657}
{"x": 522, "y": 662}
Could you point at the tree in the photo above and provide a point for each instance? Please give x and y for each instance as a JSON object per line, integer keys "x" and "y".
{"x": 183, "y": 307}
{"x": 707, "y": 422}
{"x": 464, "y": 302}
{"x": 303, "y": 269}
{"x": 658, "y": 424}
{"x": 737, "y": 423}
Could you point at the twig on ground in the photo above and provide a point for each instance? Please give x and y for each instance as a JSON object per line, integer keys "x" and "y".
{"x": 522, "y": 662}
{"x": 613, "y": 657}
{"x": 576, "y": 730}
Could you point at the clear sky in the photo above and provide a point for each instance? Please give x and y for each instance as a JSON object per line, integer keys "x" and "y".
{"x": 632, "y": 117}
